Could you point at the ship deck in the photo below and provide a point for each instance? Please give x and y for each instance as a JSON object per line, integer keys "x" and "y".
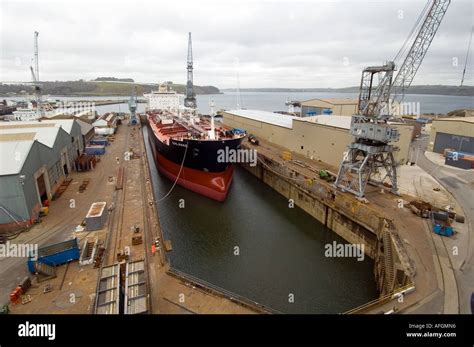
{"x": 181, "y": 130}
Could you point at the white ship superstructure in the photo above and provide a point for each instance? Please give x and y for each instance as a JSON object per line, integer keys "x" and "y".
{"x": 163, "y": 99}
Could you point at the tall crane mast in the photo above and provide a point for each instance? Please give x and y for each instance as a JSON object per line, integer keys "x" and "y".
{"x": 132, "y": 107}
{"x": 370, "y": 156}
{"x": 36, "y": 80}
{"x": 36, "y": 55}
{"x": 190, "y": 100}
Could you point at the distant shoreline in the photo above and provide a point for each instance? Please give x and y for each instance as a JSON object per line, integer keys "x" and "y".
{"x": 126, "y": 97}
{"x": 83, "y": 88}
{"x": 413, "y": 90}
{"x": 110, "y": 89}
{"x": 91, "y": 96}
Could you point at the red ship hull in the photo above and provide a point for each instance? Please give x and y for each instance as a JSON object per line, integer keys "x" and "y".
{"x": 214, "y": 185}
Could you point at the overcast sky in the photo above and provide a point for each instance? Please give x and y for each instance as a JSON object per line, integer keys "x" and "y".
{"x": 270, "y": 43}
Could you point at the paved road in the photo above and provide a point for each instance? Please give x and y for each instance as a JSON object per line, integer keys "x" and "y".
{"x": 460, "y": 183}
{"x": 13, "y": 270}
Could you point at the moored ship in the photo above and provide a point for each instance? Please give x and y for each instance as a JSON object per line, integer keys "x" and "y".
{"x": 187, "y": 148}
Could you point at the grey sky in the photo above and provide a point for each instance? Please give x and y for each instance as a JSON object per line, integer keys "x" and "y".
{"x": 272, "y": 43}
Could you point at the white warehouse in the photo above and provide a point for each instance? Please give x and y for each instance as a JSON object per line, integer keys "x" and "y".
{"x": 35, "y": 158}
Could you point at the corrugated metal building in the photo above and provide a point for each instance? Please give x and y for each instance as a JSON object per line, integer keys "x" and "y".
{"x": 35, "y": 157}
{"x": 106, "y": 124}
{"x": 323, "y": 138}
{"x": 456, "y": 133}
{"x": 87, "y": 130}
{"x": 341, "y": 107}
{"x": 84, "y": 119}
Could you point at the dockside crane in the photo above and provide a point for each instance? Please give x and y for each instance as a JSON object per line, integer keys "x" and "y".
{"x": 132, "y": 106}
{"x": 190, "y": 100}
{"x": 36, "y": 80}
{"x": 370, "y": 157}
{"x": 467, "y": 57}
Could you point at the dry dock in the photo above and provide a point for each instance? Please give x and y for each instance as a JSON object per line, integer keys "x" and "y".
{"x": 405, "y": 253}
{"x": 125, "y": 185}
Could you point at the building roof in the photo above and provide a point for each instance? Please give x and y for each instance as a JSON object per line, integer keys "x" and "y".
{"x": 13, "y": 154}
{"x": 86, "y": 116}
{"x": 110, "y": 117}
{"x": 100, "y": 123}
{"x": 332, "y": 101}
{"x": 85, "y": 127}
{"x": 265, "y": 117}
{"x": 47, "y": 136}
{"x": 69, "y": 114}
{"x": 343, "y": 122}
{"x": 17, "y": 138}
{"x": 66, "y": 124}
{"x": 454, "y": 119}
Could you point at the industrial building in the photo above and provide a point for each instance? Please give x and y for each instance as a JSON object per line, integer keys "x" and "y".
{"x": 456, "y": 133}
{"x": 341, "y": 107}
{"x": 106, "y": 124}
{"x": 84, "y": 121}
{"x": 36, "y": 156}
{"x": 323, "y": 138}
{"x": 87, "y": 131}
{"x": 88, "y": 115}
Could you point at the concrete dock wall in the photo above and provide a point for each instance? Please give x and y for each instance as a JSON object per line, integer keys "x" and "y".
{"x": 354, "y": 221}
{"x": 345, "y": 227}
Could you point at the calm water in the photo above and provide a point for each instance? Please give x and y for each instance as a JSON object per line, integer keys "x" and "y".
{"x": 281, "y": 249}
{"x": 276, "y": 101}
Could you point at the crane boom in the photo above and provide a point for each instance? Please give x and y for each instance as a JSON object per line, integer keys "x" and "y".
{"x": 36, "y": 56}
{"x": 370, "y": 156}
{"x": 467, "y": 57}
{"x": 35, "y": 76}
{"x": 378, "y": 101}
{"x": 417, "y": 52}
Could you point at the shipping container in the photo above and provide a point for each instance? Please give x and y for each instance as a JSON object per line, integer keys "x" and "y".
{"x": 460, "y": 155}
{"x": 104, "y": 131}
{"x": 460, "y": 163}
{"x": 101, "y": 141}
{"x": 95, "y": 150}
{"x": 96, "y": 217}
{"x": 56, "y": 254}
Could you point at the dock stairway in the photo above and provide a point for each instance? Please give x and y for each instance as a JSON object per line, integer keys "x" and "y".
{"x": 88, "y": 252}
{"x": 388, "y": 260}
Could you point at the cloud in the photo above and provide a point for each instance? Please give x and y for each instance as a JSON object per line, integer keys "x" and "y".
{"x": 277, "y": 43}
